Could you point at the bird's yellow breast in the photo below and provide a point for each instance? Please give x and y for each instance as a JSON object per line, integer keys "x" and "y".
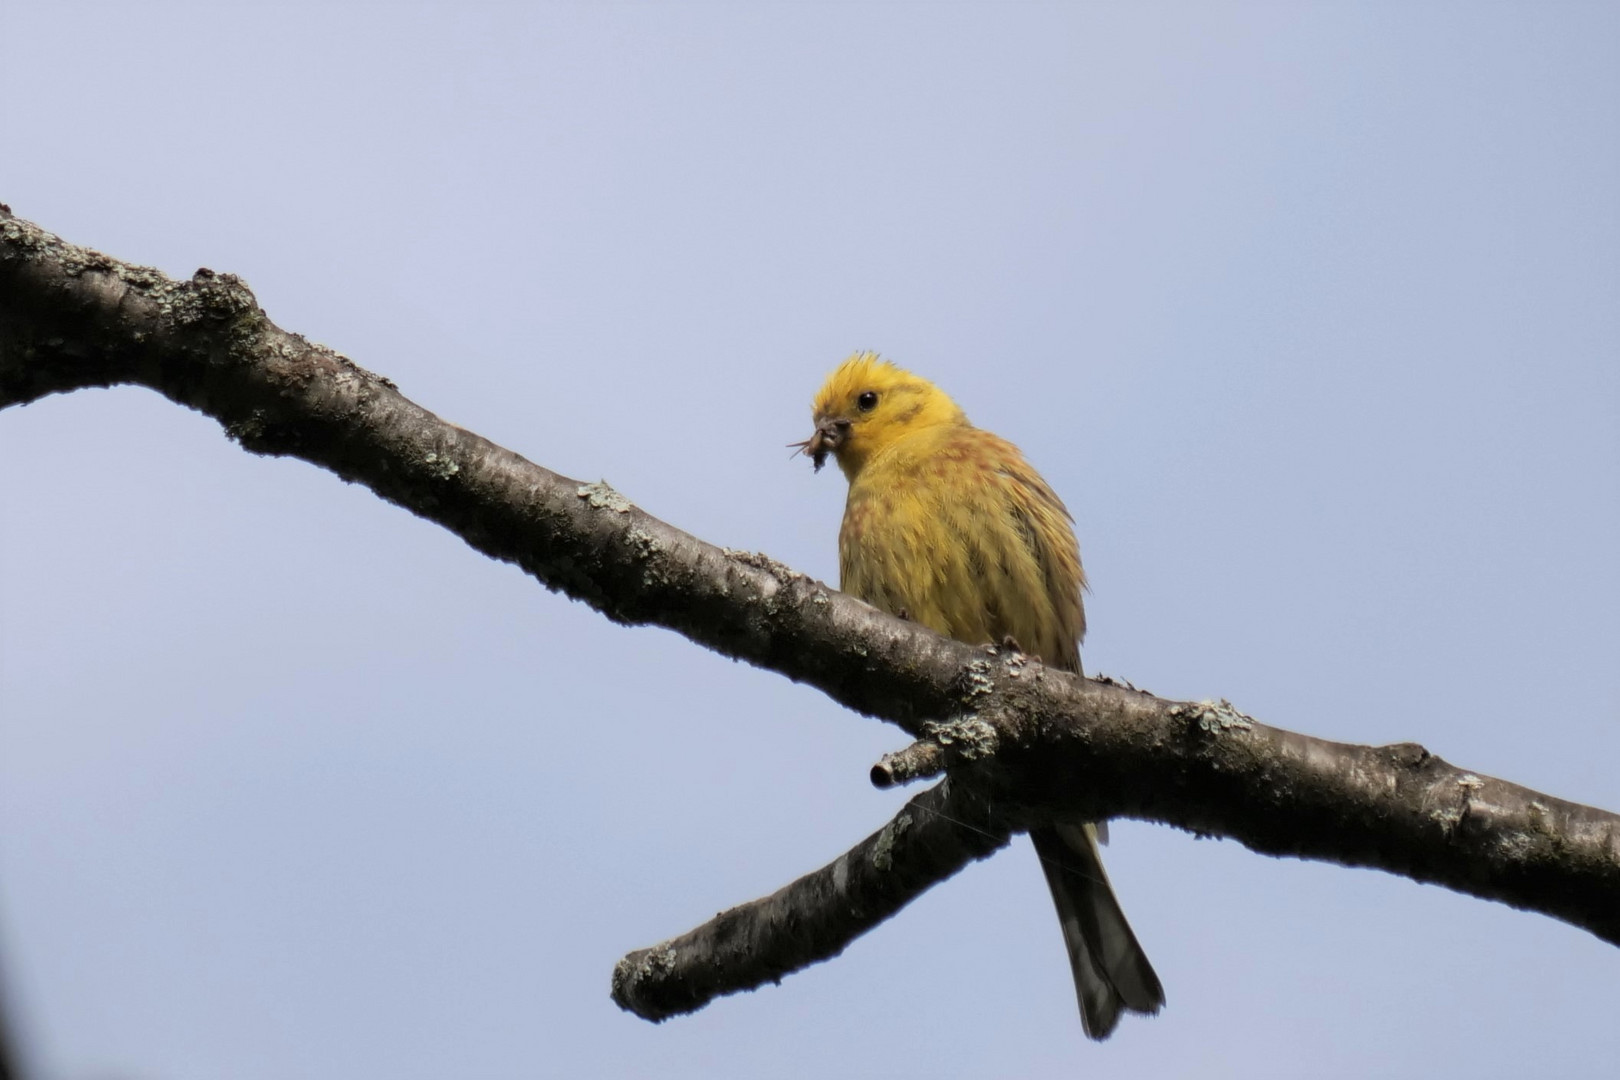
{"x": 951, "y": 528}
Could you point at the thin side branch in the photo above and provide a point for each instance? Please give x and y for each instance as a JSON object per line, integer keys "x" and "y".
{"x": 1062, "y": 746}
{"x": 961, "y": 741}
{"x": 813, "y": 919}
{"x": 919, "y": 761}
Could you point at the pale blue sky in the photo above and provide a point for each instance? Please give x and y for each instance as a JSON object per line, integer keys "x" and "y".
{"x": 1308, "y": 311}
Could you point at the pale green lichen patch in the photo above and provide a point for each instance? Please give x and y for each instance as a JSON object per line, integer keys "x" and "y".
{"x": 969, "y": 737}
{"x": 644, "y": 542}
{"x": 647, "y": 548}
{"x": 1214, "y": 717}
{"x": 654, "y": 963}
{"x": 760, "y": 561}
{"x": 439, "y": 465}
{"x": 977, "y": 681}
{"x": 883, "y": 848}
{"x": 220, "y": 297}
{"x": 601, "y": 496}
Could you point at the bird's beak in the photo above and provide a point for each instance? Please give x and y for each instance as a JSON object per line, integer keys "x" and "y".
{"x": 830, "y": 435}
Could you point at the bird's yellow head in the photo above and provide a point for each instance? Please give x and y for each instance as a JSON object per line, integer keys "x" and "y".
{"x": 868, "y": 404}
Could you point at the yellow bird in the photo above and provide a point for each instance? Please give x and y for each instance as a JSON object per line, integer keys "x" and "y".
{"x": 949, "y": 526}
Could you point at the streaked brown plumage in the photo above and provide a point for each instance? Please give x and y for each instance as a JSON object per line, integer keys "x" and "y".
{"x": 949, "y": 526}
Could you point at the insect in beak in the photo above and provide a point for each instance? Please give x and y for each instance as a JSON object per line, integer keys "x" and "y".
{"x": 829, "y": 436}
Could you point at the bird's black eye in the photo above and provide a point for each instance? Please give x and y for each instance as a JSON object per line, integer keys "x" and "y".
{"x": 867, "y": 401}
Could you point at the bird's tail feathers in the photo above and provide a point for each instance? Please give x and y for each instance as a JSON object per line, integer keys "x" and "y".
{"x": 1111, "y": 972}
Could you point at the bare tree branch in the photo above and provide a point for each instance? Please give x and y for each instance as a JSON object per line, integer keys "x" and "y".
{"x": 934, "y": 835}
{"x": 1046, "y": 744}
{"x": 1202, "y": 766}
